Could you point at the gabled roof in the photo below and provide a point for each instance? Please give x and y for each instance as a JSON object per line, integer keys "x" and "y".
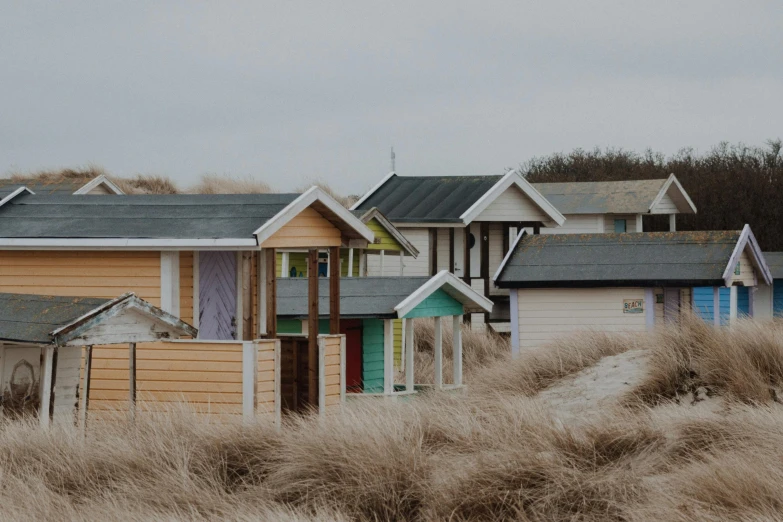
{"x": 46, "y": 319}
{"x": 11, "y": 192}
{"x": 616, "y": 197}
{"x": 365, "y": 216}
{"x": 375, "y": 297}
{"x": 446, "y": 199}
{"x": 775, "y": 264}
{"x": 62, "y": 186}
{"x": 641, "y": 259}
{"x": 170, "y": 221}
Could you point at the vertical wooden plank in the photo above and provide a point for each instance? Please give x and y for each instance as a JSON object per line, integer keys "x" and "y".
{"x": 247, "y": 296}
{"x": 381, "y": 256}
{"x": 312, "y": 327}
{"x": 278, "y": 385}
{"x": 451, "y": 250}
{"x": 402, "y": 262}
{"x": 271, "y": 292}
{"x": 334, "y": 291}
{"x": 46, "y": 387}
{"x": 388, "y": 356}
{"x": 343, "y": 381}
{"x": 132, "y": 381}
{"x": 350, "y": 262}
{"x": 239, "y": 323}
{"x": 433, "y": 244}
{"x": 196, "y": 288}
{"x": 438, "y": 353}
{"x": 732, "y": 305}
{"x": 672, "y": 222}
{"x": 716, "y": 305}
{"x": 484, "y": 266}
{"x": 466, "y": 275}
{"x": 506, "y": 233}
{"x": 409, "y": 355}
{"x": 514, "y": 302}
{"x": 261, "y": 282}
{"x": 649, "y": 308}
{"x": 362, "y": 263}
{"x": 249, "y": 377}
{"x": 457, "y": 349}
{"x": 284, "y": 265}
{"x": 321, "y": 376}
{"x": 85, "y": 398}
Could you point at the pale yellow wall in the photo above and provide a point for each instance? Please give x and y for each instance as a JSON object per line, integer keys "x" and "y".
{"x": 512, "y": 205}
{"x": 332, "y": 371}
{"x": 545, "y": 314}
{"x": 265, "y": 383}
{"x": 308, "y": 229}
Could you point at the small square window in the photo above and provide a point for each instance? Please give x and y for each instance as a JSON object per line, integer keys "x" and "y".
{"x": 619, "y": 225}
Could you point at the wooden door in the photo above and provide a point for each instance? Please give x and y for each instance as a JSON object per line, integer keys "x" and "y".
{"x": 217, "y": 299}
{"x": 671, "y": 305}
{"x": 352, "y": 329}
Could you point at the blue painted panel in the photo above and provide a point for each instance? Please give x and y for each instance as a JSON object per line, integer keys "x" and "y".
{"x": 437, "y": 304}
{"x": 702, "y": 299}
{"x": 372, "y": 355}
{"x": 743, "y": 300}
{"x": 777, "y": 297}
{"x": 702, "y": 303}
{"x": 619, "y": 225}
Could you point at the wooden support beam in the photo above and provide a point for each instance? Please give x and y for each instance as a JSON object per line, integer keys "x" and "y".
{"x": 46, "y": 387}
{"x": 402, "y": 262}
{"x": 362, "y": 264}
{"x": 716, "y": 305}
{"x": 271, "y": 292}
{"x": 457, "y": 349}
{"x": 433, "y": 251}
{"x": 350, "y": 262}
{"x": 132, "y": 381}
{"x": 247, "y": 295}
{"x": 484, "y": 266}
{"x": 409, "y": 355}
{"x": 85, "y": 397}
{"x": 334, "y": 291}
{"x": 312, "y": 327}
{"x": 451, "y": 250}
{"x": 438, "y": 353}
{"x": 466, "y": 275}
{"x": 732, "y": 305}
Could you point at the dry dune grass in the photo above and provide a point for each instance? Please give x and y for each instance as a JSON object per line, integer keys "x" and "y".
{"x": 224, "y": 184}
{"x": 494, "y": 452}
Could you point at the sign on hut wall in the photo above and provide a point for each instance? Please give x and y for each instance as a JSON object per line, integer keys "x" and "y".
{"x": 633, "y": 306}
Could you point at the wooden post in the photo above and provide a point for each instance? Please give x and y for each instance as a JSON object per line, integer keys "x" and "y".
{"x": 362, "y": 264}
{"x": 433, "y": 251}
{"x": 334, "y": 291}
{"x": 716, "y": 305}
{"x": 132, "y": 381}
{"x": 85, "y": 397}
{"x": 438, "y": 353}
{"x": 247, "y": 296}
{"x": 44, "y": 411}
{"x": 732, "y": 305}
{"x": 672, "y": 222}
{"x": 402, "y": 262}
{"x": 466, "y": 275}
{"x": 284, "y": 265}
{"x": 409, "y": 355}
{"x": 451, "y": 250}
{"x": 457, "y": 349}
{"x": 484, "y": 266}
{"x": 380, "y": 254}
{"x": 271, "y": 292}
{"x": 312, "y": 327}
{"x": 249, "y": 378}
{"x": 350, "y": 262}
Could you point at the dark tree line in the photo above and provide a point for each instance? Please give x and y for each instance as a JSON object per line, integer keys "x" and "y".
{"x": 730, "y": 185}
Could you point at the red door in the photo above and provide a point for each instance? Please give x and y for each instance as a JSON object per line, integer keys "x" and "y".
{"x": 352, "y": 329}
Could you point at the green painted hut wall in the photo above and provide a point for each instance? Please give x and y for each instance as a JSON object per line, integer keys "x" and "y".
{"x": 437, "y": 304}
{"x": 372, "y": 355}
{"x": 299, "y": 260}
{"x": 383, "y": 239}
{"x": 294, "y": 326}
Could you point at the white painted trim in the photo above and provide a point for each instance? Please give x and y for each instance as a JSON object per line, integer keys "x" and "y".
{"x": 321, "y": 376}
{"x": 278, "y": 385}
{"x": 261, "y": 282}
{"x": 13, "y": 194}
{"x": 511, "y": 249}
{"x": 601, "y": 223}
{"x": 438, "y": 349}
{"x": 388, "y": 356}
{"x": 100, "y": 180}
{"x": 409, "y": 355}
{"x": 350, "y": 262}
{"x": 372, "y": 190}
{"x": 457, "y": 349}
{"x": 453, "y": 286}
{"x": 425, "y": 224}
{"x": 46, "y": 386}
{"x": 649, "y": 308}
{"x": 169, "y": 282}
{"x": 249, "y": 377}
{"x": 672, "y": 180}
{"x": 512, "y": 177}
{"x": 125, "y": 244}
{"x": 285, "y": 261}
{"x": 84, "y": 391}
{"x": 732, "y": 305}
{"x": 239, "y": 318}
{"x": 639, "y": 223}
{"x": 716, "y": 305}
{"x": 672, "y": 222}
{"x": 747, "y": 238}
{"x": 513, "y": 301}
{"x": 296, "y": 207}
{"x": 196, "y": 287}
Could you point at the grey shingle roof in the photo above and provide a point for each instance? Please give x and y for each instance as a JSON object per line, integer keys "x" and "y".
{"x": 44, "y": 187}
{"x": 642, "y": 259}
{"x": 140, "y": 216}
{"x": 775, "y": 263}
{"x": 360, "y": 297}
{"x": 31, "y": 318}
{"x": 617, "y": 197}
{"x": 434, "y": 199}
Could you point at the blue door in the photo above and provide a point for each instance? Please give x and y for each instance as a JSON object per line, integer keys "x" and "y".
{"x": 703, "y": 303}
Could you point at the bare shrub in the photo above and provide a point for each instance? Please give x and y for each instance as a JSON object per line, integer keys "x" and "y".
{"x": 147, "y": 184}
{"x": 343, "y": 200}
{"x": 224, "y": 184}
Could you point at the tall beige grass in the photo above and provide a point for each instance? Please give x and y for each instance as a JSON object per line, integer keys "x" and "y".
{"x": 224, "y": 184}
{"x": 493, "y": 452}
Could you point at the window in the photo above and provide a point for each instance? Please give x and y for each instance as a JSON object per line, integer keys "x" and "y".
{"x": 619, "y": 225}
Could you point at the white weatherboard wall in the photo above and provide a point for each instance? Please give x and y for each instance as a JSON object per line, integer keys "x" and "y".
{"x": 66, "y": 384}
{"x": 544, "y": 314}
{"x": 579, "y": 224}
{"x": 630, "y": 222}
{"x": 512, "y": 205}
{"x": 747, "y": 274}
{"x": 418, "y": 266}
{"x": 443, "y": 249}
{"x": 496, "y": 255}
{"x": 666, "y": 205}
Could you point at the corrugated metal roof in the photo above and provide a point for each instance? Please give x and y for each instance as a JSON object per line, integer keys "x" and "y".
{"x": 775, "y": 263}
{"x": 31, "y": 318}
{"x": 360, "y": 297}
{"x": 61, "y": 187}
{"x": 602, "y": 197}
{"x": 433, "y": 199}
{"x": 642, "y": 259}
{"x": 140, "y": 216}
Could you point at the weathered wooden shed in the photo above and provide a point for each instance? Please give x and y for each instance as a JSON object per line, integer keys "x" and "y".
{"x": 609, "y": 282}
{"x": 368, "y": 308}
{"x": 41, "y": 342}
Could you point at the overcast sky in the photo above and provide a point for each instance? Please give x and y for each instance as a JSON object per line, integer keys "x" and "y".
{"x": 292, "y": 91}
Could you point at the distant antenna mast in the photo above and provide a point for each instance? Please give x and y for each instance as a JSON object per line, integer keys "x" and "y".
{"x": 392, "y": 160}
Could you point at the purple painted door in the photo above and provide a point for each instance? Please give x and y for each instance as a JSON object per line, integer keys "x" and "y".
{"x": 217, "y": 295}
